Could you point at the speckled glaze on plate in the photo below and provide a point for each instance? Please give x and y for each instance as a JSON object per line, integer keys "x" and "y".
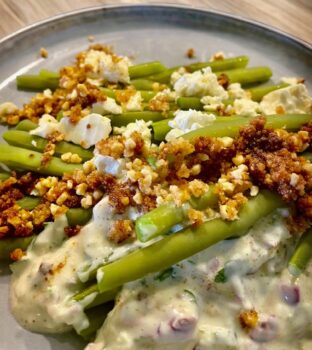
{"x": 144, "y": 33}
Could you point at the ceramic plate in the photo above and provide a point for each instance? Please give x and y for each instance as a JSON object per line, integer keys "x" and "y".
{"x": 144, "y": 33}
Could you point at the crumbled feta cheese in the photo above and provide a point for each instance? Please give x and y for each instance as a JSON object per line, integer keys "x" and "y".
{"x": 34, "y": 143}
{"x": 212, "y": 103}
{"x": 109, "y": 106}
{"x": 47, "y": 125}
{"x": 135, "y": 102}
{"x": 291, "y": 99}
{"x": 176, "y": 75}
{"x": 246, "y": 107}
{"x": 109, "y": 67}
{"x": 200, "y": 83}
{"x": 88, "y": 131}
{"x": 109, "y": 165}
{"x": 186, "y": 121}
{"x": 191, "y": 120}
{"x": 140, "y": 126}
{"x": 167, "y": 93}
{"x": 235, "y": 90}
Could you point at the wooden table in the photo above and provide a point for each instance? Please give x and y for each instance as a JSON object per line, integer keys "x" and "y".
{"x": 291, "y": 16}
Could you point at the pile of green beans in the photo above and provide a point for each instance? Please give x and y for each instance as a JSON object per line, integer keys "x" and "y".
{"x": 181, "y": 245}
{"x": 24, "y": 151}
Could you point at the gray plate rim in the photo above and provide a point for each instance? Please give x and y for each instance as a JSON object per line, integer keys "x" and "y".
{"x": 197, "y": 9}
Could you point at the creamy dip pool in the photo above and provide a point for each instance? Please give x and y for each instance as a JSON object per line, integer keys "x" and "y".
{"x": 180, "y": 308}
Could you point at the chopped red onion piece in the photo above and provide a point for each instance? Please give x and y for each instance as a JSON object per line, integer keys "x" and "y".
{"x": 290, "y": 294}
{"x": 183, "y": 324}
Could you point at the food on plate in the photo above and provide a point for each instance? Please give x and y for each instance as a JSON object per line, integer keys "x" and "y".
{"x": 148, "y": 207}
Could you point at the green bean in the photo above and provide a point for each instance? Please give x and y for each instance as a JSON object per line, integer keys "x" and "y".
{"x": 28, "y": 202}
{"x": 258, "y": 92}
{"x": 144, "y": 84}
{"x": 59, "y": 115}
{"x": 7, "y": 245}
{"x": 195, "y": 103}
{"x": 163, "y": 77}
{"x": 248, "y": 75}
{"x": 109, "y": 92}
{"x": 190, "y": 103}
{"x": 21, "y": 158}
{"x": 96, "y": 318}
{"x": 78, "y": 216}
{"x": 160, "y": 129}
{"x": 131, "y": 117}
{"x": 144, "y": 69}
{"x": 4, "y": 176}
{"x": 146, "y": 95}
{"x": 220, "y": 65}
{"x": 160, "y": 220}
{"x": 208, "y": 200}
{"x": 36, "y": 143}
{"x": 45, "y": 73}
{"x": 100, "y": 298}
{"x": 231, "y": 129}
{"x": 307, "y": 155}
{"x": 36, "y": 82}
{"x": 26, "y": 125}
{"x": 228, "y": 63}
{"x": 176, "y": 247}
{"x": 302, "y": 254}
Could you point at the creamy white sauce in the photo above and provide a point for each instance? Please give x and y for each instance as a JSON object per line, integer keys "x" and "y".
{"x": 189, "y": 310}
{"x": 41, "y": 301}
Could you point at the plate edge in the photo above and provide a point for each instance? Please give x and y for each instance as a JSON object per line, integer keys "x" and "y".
{"x": 83, "y": 10}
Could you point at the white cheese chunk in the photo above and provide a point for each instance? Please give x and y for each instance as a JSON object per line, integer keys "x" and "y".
{"x": 108, "y": 67}
{"x": 109, "y": 106}
{"x": 186, "y": 121}
{"x": 109, "y": 165}
{"x": 88, "y": 131}
{"x": 291, "y": 99}
{"x": 246, "y": 107}
{"x": 47, "y": 126}
{"x": 135, "y": 102}
{"x": 139, "y": 126}
{"x": 200, "y": 83}
{"x": 235, "y": 90}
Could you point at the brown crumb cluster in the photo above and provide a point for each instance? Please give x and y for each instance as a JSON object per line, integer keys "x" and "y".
{"x": 121, "y": 231}
{"x": 273, "y": 163}
{"x": 190, "y": 53}
{"x": 14, "y": 220}
{"x": 173, "y": 172}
